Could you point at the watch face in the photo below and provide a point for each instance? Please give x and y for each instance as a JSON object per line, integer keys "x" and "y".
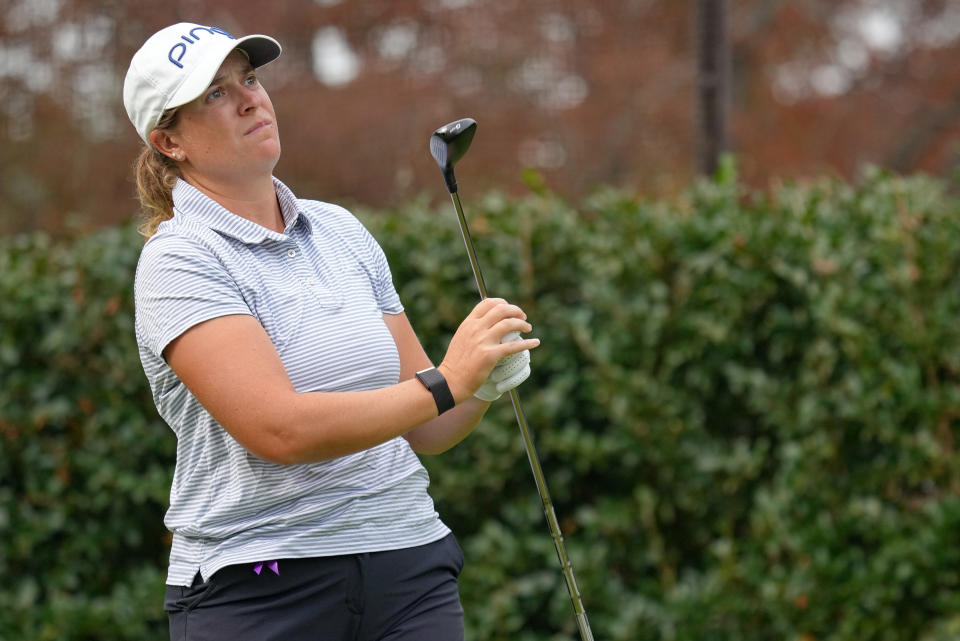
{"x": 430, "y": 376}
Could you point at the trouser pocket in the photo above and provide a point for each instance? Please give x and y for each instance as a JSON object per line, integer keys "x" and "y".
{"x": 179, "y": 601}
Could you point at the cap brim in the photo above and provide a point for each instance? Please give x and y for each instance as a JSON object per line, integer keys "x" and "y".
{"x": 260, "y": 50}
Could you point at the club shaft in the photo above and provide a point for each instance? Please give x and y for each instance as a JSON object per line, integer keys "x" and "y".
{"x": 468, "y": 241}
{"x": 585, "y": 633}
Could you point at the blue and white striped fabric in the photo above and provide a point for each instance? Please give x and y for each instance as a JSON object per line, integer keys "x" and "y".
{"x": 320, "y": 290}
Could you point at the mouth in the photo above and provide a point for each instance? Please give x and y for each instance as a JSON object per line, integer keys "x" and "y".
{"x": 257, "y": 127}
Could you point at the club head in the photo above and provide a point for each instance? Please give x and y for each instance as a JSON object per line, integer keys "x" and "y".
{"x": 449, "y": 143}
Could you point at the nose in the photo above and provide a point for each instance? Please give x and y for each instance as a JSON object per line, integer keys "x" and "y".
{"x": 248, "y": 99}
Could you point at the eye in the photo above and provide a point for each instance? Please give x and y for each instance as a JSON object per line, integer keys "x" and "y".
{"x": 215, "y": 93}
{"x": 250, "y": 80}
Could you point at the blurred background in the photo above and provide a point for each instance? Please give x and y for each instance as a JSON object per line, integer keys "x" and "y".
{"x": 586, "y": 92}
{"x": 737, "y": 219}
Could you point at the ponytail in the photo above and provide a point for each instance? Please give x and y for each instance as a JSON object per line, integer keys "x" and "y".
{"x": 156, "y": 177}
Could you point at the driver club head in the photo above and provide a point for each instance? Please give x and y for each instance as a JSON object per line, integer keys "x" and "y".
{"x": 449, "y": 143}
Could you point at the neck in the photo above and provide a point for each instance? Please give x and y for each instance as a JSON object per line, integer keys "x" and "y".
{"x": 255, "y": 200}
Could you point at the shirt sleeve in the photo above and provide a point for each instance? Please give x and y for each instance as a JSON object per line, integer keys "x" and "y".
{"x": 180, "y": 283}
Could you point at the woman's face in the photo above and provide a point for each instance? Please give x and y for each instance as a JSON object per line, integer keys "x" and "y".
{"x": 229, "y": 132}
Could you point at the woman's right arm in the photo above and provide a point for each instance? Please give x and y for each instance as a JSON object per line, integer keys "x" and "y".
{"x": 230, "y": 365}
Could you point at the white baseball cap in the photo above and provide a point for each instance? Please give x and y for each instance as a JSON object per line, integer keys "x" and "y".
{"x": 177, "y": 64}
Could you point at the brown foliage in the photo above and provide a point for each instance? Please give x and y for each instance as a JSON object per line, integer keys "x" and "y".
{"x": 588, "y": 93}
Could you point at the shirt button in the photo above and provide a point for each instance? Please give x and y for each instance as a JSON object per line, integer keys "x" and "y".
{"x": 291, "y": 253}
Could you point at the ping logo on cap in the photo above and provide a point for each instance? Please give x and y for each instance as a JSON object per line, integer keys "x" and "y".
{"x": 180, "y": 49}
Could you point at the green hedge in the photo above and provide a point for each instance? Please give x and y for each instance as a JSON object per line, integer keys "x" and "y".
{"x": 746, "y": 405}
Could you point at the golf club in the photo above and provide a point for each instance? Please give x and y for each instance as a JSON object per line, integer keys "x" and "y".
{"x": 448, "y": 144}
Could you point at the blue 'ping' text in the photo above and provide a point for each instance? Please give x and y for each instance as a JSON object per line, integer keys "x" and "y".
{"x": 178, "y": 50}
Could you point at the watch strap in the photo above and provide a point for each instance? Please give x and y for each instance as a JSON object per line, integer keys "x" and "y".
{"x": 434, "y": 381}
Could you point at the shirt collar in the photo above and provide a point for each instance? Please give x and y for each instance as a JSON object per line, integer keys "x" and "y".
{"x": 192, "y": 205}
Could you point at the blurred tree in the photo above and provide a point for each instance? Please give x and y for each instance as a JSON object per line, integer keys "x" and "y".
{"x": 713, "y": 84}
{"x": 585, "y": 92}
{"x": 828, "y": 86}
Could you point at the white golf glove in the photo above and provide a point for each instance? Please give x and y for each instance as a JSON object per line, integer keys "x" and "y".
{"x": 509, "y": 372}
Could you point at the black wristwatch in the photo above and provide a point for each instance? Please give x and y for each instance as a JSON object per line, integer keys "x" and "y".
{"x": 434, "y": 381}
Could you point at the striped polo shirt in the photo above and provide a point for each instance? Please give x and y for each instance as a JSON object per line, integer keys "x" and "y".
{"x": 320, "y": 290}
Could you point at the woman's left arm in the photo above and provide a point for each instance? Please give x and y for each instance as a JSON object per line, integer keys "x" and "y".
{"x": 441, "y": 433}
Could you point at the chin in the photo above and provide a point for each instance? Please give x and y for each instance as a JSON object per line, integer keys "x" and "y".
{"x": 271, "y": 153}
{"x": 274, "y": 147}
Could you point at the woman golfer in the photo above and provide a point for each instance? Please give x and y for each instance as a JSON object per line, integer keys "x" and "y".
{"x": 277, "y": 350}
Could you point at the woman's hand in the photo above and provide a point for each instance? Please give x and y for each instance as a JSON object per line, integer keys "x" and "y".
{"x": 509, "y": 372}
{"x": 475, "y": 348}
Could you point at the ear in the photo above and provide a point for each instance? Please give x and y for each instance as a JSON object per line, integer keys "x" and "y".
{"x": 163, "y": 142}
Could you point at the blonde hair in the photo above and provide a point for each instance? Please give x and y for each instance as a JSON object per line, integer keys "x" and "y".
{"x": 156, "y": 176}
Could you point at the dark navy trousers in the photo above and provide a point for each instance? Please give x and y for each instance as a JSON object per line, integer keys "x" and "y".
{"x": 399, "y": 595}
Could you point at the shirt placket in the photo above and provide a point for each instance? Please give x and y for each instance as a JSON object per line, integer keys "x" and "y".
{"x": 316, "y": 281}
